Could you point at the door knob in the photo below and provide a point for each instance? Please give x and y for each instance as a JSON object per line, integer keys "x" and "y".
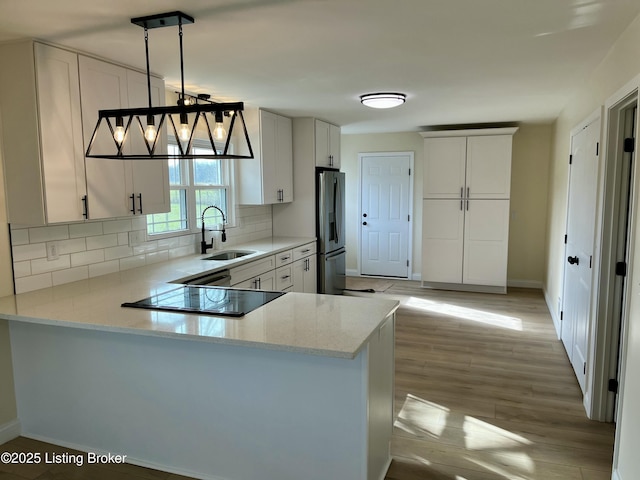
{"x": 364, "y": 223}
{"x": 573, "y": 260}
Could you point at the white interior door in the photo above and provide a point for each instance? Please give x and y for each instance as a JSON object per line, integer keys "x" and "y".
{"x": 581, "y": 214}
{"x": 385, "y": 214}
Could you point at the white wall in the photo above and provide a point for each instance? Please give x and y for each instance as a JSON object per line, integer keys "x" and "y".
{"x": 529, "y": 180}
{"x": 620, "y": 66}
{"x": 8, "y": 411}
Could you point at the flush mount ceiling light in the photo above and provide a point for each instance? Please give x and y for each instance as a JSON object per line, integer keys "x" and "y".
{"x": 383, "y": 100}
{"x": 139, "y": 133}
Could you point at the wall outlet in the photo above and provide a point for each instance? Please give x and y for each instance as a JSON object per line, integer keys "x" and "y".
{"x": 136, "y": 237}
{"x": 52, "y": 250}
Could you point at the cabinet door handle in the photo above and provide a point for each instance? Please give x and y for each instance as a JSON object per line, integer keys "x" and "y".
{"x": 461, "y": 192}
{"x": 331, "y": 160}
{"x": 306, "y": 264}
{"x": 133, "y": 203}
{"x": 468, "y": 190}
{"x": 467, "y": 204}
{"x": 140, "y": 202}
{"x": 85, "y": 207}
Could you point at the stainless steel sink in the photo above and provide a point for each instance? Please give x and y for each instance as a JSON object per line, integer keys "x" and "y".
{"x": 229, "y": 255}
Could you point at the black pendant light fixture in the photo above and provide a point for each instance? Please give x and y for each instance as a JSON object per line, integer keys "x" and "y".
{"x": 135, "y": 133}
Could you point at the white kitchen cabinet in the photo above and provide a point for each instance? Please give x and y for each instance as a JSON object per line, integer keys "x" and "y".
{"x": 284, "y": 278}
{"x": 474, "y": 166}
{"x": 305, "y": 276}
{"x": 465, "y": 244}
{"x": 268, "y": 177}
{"x": 259, "y": 274}
{"x": 298, "y": 218}
{"x": 118, "y": 188}
{"x": 41, "y": 134}
{"x": 305, "y": 268}
{"x": 465, "y": 214}
{"x": 327, "y": 145}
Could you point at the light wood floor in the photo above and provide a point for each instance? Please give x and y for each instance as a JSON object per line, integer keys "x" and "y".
{"x": 483, "y": 391}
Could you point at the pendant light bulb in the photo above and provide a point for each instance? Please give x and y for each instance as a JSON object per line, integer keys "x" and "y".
{"x": 219, "y": 133}
{"x": 118, "y": 133}
{"x": 184, "y": 132}
{"x": 150, "y": 132}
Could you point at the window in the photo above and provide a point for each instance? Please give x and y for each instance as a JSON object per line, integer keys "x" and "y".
{"x": 195, "y": 184}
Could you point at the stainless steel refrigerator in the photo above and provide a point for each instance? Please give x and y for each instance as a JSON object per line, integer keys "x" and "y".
{"x": 330, "y": 231}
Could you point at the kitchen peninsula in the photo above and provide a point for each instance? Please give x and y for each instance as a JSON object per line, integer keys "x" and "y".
{"x": 301, "y": 387}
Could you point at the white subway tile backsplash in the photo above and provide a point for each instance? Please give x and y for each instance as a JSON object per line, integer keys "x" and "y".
{"x": 33, "y": 282}
{"x": 29, "y": 252}
{"x": 102, "y": 241}
{"x": 115, "y": 253}
{"x": 43, "y": 265}
{"x": 47, "y": 234}
{"x": 87, "y": 258}
{"x": 19, "y": 237}
{"x": 88, "y": 229}
{"x": 117, "y": 226}
{"x": 132, "y": 262}
{"x": 65, "y": 247}
{"x": 95, "y": 248}
{"x": 21, "y": 269}
{"x": 98, "y": 269}
{"x": 70, "y": 275}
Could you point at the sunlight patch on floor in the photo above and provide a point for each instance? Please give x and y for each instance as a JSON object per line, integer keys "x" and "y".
{"x": 475, "y": 315}
{"x": 487, "y": 446}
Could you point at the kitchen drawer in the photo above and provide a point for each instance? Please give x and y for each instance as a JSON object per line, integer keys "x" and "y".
{"x": 304, "y": 251}
{"x": 253, "y": 269}
{"x": 284, "y": 258}
{"x": 284, "y": 277}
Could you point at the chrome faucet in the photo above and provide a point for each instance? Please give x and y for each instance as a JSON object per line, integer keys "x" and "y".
{"x": 203, "y": 244}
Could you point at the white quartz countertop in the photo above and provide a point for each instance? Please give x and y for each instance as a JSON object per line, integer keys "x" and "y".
{"x": 329, "y": 325}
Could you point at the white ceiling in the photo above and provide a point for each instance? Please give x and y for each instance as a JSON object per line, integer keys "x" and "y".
{"x": 458, "y": 61}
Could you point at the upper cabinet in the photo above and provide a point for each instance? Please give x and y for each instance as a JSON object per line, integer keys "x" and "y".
{"x": 327, "y": 145}
{"x": 476, "y": 165}
{"x": 42, "y": 134}
{"x": 268, "y": 177}
{"x": 118, "y": 188}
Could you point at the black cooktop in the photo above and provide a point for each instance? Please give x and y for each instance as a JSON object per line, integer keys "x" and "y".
{"x": 207, "y": 300}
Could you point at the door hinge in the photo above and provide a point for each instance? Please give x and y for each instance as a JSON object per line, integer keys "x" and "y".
{"x": 590, "y": 261}
{"x": 409, "y": 172}
{"x": 570, "y": 159}
{"x": 621, "y": 269}
{"x": 597, "y": 148}
{"x": 565, "y": 239}
{"x": 561, "y": 315}
{"x": 613, "y": 385}
{"x": 629, "y": 145}
{"x": 408, "y": 218}
{"x": 584, "y": 368}
{"x": 407, "y": 263}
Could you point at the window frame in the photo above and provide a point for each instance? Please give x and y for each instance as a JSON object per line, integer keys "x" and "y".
{"x": 190, "y": 188}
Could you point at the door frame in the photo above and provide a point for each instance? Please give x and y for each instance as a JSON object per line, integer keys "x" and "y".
{"x": 598, "y": 402}
{"x": 412, "y": 169}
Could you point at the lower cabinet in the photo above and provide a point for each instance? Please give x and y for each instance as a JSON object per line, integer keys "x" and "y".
{"x": 305, "y": 277}
{"x": 465, "y": 242}
{"x": 288, "y": 271}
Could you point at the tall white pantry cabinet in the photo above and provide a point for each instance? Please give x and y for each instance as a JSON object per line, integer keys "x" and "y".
{"x": 465, "y": 210}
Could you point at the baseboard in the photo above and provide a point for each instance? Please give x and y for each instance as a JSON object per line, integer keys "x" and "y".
{"x": 462, "y": 287}
{"x": 356, "y": 273}
{"x": 524, "y": 284}
{"x": 552, "y": 311}
{"x": 10, "y": 430}
{"x": 416, "y": 276}
{"x": 352, "y": 273}
{"x": 615, "y": 475}
{"x": 385, "y": 470}
{"x": 130, "y": 460}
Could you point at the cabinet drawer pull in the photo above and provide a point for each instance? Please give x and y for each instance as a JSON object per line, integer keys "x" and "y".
{"x": 285, "y": 258}
{"x": 306, "y": 250}
{"x": 284, "y": 277}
